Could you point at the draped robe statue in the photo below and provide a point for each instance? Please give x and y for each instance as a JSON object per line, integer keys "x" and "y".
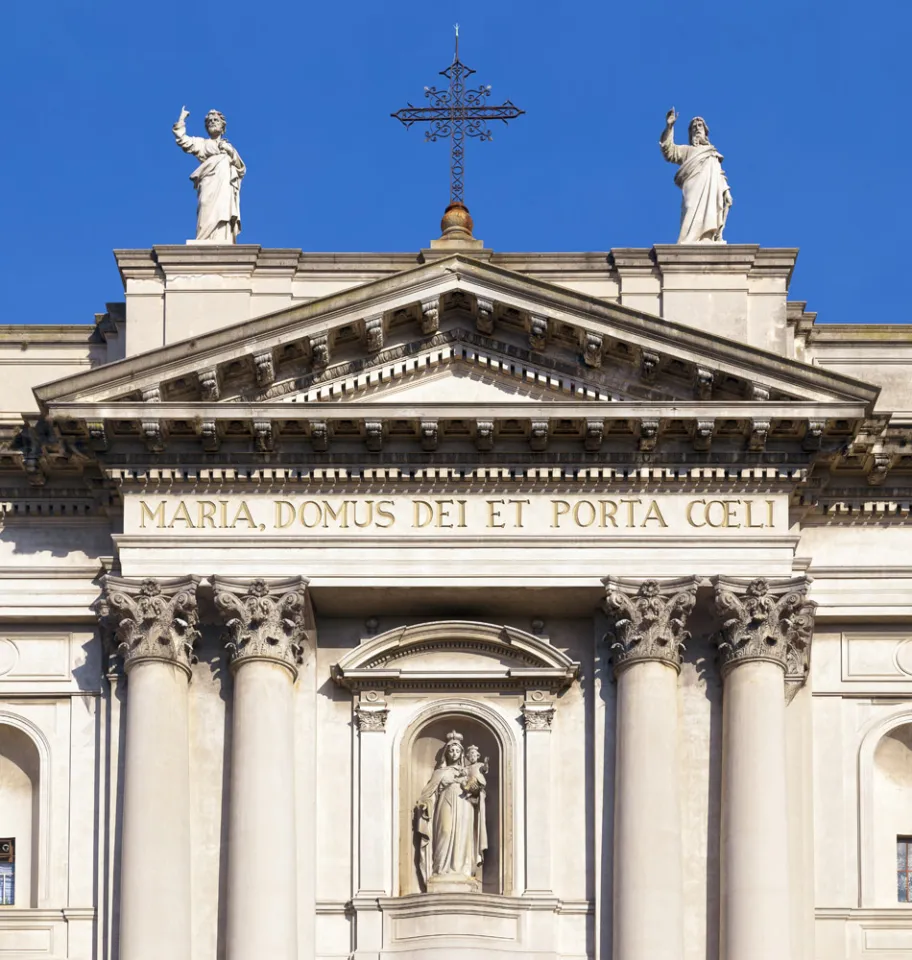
{"x": 217, "y": 179}
{"x": 450, "y": 821}
{"x": 706, "y": 195}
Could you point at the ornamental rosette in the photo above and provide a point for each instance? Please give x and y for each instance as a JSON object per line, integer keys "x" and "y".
{"x": 150, "y": 619}
{"x": 648, "y": 619}
{"x": 264, "y": 620}
{"x": 765, "y": 620}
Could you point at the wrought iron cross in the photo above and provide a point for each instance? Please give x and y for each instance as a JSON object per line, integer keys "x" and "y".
{"x": 457, "y": 113}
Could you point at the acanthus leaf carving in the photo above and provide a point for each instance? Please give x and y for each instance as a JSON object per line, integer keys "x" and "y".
{"x": 264, "y": 368}
{"x": 538, "y": 435}
{"x": 703, "y": 383}
{"x": 210, "y": 385}
{"x": 320, "y": 435}
{"x": 758, "y": 436}
{"x": 264, "y": 620}
{"x": 430, "y": 316}
{"x": 648, "y": 619}
{"x": 765, "y": 620}
{"x": 150, "y": 619}
{"x": 538, "y": 717}
{"x": 484, "y": 435}
{"x": 592, "y": 350}
{"x": 538, "y": 333}
{"x": 429, "y": 434}
{"x": 484, "y": 318}
{"x": 648, "y": 435}
{"x": 320, "y": 352}
{"x": 595, "y": 434}
{"x": 373, "y": 334}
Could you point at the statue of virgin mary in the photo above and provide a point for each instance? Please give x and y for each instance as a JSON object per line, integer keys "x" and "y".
{"x": 450, "y": 822}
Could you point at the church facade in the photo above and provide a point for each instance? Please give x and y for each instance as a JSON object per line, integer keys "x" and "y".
{"x": 456, "y": 605}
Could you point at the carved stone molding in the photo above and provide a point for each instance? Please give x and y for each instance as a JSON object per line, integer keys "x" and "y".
{"x": 703, "y": 383}
{"x": 373, "y": 334}
{"x": 430, "y": 316}
{"x": 210, "y": 386}
{"x": 150, "y": 619}
{"x": 264, "y": 368}
{"x": 429, "y": 435}
{"x": 265, "y": 620}
{"x": 538, "y": 718}
{"x": 484, "y": 319}
{"x": 538, "y": 333}
{"x": 371, "y": 712}
{"x": 648, "y": 619}
{"x": 320, "y": 350}
{"x": 767, "y": 620}
{"x": 592, "y": 350}
{"x": 484, "y": 435}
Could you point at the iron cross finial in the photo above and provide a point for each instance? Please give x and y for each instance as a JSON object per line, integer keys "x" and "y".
{"x": 457, "y": 113}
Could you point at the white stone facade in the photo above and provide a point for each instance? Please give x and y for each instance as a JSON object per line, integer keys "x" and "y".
{"x": 284, "y": 527}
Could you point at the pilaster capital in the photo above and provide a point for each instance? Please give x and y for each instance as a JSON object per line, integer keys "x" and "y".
{"x": 648, "y": 619}
{"x": 150, "y": 619}
{"x": 264, "y": 620}
{"x": 765, "y": 620}
{"x": 371, "y": 712}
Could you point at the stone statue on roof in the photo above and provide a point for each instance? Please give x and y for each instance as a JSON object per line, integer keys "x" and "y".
{"x": 217, "y": 179}
{"x": 706, "y": 194}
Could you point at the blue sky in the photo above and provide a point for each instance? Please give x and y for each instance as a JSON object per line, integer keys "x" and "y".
{"x": 809, "y": 102}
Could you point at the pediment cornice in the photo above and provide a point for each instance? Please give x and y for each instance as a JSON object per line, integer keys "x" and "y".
{"x": 551, "y": 322}
{"x": 455, "y": 653}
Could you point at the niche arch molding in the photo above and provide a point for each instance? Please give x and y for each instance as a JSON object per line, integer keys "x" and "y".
{"x": 867, "y": 827}
{"x": 43, "y": 748}
{"x": 504, "y": 659}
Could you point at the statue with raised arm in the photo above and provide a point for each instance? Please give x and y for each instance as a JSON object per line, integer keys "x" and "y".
{"x": 707, "y": 197}
{"x": 217, "y": 179}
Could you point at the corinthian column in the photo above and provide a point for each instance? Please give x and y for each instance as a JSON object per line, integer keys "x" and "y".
{"x": 153, "y": 623}
{"x": 266, "y": 625}
{"x": 648, "y": 634}
{"x": 765, "y": 638}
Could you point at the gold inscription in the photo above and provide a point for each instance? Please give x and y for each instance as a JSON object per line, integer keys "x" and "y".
{"x": 451, "y": 513}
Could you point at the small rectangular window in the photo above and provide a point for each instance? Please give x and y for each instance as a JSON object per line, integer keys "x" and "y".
{"x": 904, "y": 869}
{"x": 7, "y": 872}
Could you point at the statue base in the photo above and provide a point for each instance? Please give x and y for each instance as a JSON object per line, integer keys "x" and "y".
{"x": 453, "y": 884}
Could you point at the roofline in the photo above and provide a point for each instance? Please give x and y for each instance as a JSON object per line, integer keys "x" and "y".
{"x": 585, "y": 306}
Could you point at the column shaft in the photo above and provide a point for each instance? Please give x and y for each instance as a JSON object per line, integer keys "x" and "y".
{"x": 155, "y": 895}
{"x": 262, "y": 848}
{"x": 755, "y": 892}
{"x": 648, "y": 880}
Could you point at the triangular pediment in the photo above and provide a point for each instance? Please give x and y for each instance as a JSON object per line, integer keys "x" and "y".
{"x": 456, "y": 350}
{"x": 550, "y": 330}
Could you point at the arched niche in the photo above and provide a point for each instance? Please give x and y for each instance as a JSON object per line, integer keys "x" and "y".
{"x": 419, "y": 751}
{"x": 885, "y": 806}
{"x": 21, "y": 806}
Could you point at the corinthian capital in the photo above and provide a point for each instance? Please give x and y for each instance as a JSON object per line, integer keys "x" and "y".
{"x": 150, "y": 619}
{"x": 770, "y": 620}
{"x": 265, "y": 620}
{"x": 648, "y": 619}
